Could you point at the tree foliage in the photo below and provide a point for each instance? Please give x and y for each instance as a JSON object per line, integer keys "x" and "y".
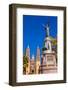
{"x": 25, "y": 61}
{"x": 54, "y": 41}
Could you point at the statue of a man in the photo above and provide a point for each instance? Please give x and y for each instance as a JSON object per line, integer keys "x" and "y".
{"x": 47, "y": 30}
{"x": 48, "y": 41}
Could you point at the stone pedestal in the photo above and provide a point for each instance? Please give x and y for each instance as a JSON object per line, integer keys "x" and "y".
{"x": 48, "y": 64}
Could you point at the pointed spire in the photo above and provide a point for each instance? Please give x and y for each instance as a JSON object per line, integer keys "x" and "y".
{"x": 33, "y": 57}
{"x": 28, "y": 46}
{"x": 28, "y": 51}
{"x": 37, "y": 46}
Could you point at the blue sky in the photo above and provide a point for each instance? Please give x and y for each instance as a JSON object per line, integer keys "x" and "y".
{"x": 34, "y": 33}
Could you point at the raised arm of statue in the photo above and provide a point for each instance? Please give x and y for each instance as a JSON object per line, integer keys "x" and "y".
{"x": 47, "y": 30}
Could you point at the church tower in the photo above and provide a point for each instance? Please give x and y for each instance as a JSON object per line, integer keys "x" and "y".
{"x": 37, "y": 60}
{"x": 28, "y": 55}
{"x": 28, "y": 52}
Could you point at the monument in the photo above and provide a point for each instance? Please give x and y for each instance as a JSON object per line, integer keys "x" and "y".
{"x": 48, "y": 58}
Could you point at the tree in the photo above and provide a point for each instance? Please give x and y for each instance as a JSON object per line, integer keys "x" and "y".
{"x": 54, "y": 44}
{"x": 25, "y": 63}
{"x": 54, "y": 41}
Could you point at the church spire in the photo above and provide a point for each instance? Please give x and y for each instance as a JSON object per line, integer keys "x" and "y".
{"x": 28, "y": 52}
{"x": 33, "y": 57}
{"x": 28, "y": 46}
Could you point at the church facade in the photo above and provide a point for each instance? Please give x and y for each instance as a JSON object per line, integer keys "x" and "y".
{"x": 33, "y": 64}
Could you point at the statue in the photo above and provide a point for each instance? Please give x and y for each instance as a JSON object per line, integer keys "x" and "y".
{"x": 47, "y": 30}
{"x": 47, "y": 42}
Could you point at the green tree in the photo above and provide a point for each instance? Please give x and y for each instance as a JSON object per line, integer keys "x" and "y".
{"x": 54, "y": 41}
{"x": 25, "y": 63}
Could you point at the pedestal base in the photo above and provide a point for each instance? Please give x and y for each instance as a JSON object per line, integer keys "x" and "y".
{"x": 48, "y": 69}
{"x": 49, "y": 64}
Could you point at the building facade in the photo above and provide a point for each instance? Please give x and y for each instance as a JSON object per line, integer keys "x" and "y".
{"x": 33, "y": 64}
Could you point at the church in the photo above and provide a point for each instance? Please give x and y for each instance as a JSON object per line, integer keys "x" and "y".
{"x": 33, "y": 65}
